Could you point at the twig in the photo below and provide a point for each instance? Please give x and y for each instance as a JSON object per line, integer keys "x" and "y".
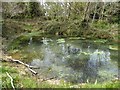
{"x": 11, "y": 80}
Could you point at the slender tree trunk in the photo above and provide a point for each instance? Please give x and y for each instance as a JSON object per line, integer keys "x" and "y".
{"x": 103, "y": 7}
{"x": 86, "y": 11}
{"x": 94, "y": 12}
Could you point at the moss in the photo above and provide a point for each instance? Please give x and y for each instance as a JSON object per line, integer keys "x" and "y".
{"x": 24, "y": 40}
{"x": 7, "y": 69}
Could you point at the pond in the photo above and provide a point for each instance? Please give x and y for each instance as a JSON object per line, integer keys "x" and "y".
{"x": 72, "y": 60}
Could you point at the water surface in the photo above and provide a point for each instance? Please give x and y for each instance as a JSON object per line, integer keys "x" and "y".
{"x": 76, "y": 61}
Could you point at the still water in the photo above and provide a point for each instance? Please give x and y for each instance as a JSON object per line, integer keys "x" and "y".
{"x": 76, "y": 61}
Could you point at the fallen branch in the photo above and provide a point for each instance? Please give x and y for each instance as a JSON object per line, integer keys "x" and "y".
{"x": 32, "y": 71}
{"x": 29, "y": 67}
{"x": 20, "y": 62}
{"x": 11, "y": 80}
